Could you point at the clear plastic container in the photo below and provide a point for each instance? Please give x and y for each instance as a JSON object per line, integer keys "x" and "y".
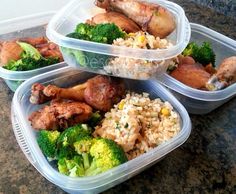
{"x": 29, "y": 26}
{"x": 95, "y": 57}
{"x": 198, "y": 101}
{"x": 64, "y": 77}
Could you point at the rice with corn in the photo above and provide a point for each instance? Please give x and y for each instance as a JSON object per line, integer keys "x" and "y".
{"x": 139, "y": 124}
{"x": 138, "y": 68}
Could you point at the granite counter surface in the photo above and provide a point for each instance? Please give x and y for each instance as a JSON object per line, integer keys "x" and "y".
{"x": 206, "y": 163}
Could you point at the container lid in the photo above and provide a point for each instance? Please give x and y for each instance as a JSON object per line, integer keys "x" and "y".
{"x": 224, "y": 47}
{"x": 65, "y": 21}
{"x": 26, "y": 26}
{"x": 26, "y": 136}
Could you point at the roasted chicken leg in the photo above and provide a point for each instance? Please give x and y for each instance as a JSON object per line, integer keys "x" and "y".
{"x": 120, "y": 20}
{"x": 100, "y": 92}
{"x": 153, "y": 18}
{"x": 225, "y": 75}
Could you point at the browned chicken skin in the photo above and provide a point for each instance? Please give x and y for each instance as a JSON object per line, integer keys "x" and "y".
{"x": 9, "y": 51}
{"x": 227, "y": 70}
{"x": 60, "y": 115}
{"x": 190, "y": 73}
{"x": 113, "y": 17}
{"x": 150, "y": 17}
{"x": 225, "y": 75}
{"x": 100, "y": 92}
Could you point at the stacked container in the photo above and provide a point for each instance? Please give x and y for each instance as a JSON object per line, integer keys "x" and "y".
{"x": 65, "y": 22}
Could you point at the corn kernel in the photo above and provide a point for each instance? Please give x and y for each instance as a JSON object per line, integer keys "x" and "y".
{"x": 131, "y": 34}
{"x": 165, "y": 111}
{"x": 121, "y": 105}
{"x": 141, "y": 39}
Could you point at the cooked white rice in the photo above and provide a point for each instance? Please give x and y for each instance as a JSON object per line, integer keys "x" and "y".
{"x": 138, "y": 68}
{"x": 139, "y": 124}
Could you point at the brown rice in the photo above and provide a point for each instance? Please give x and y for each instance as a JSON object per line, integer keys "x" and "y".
{"x": 139, "y": 124}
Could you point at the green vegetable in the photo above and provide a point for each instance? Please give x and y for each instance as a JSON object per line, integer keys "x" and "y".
{"x": 67, "y": 138}
{"x": 106, "y": 33}
{"x": 82, "y": 147}
{"x": 47, "y": 141}
{"x": 71, "y": 167}
{"x": 30, "y": 59}
{"x": 29, "y": 51}
{"x": 104, "y": 154}
{"x": 103, "y": 33}
{"x": 78, "y": 153}
{"x": 203, "y": 54}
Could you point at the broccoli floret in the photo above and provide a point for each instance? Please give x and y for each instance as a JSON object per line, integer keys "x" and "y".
{"x": 82, "y": 146}
{"x": 203, "y": 54}
{"x": 78, "y": 36}
{"x": 106, "y": 33}
{"x": 65, "y": 147}
{"x": 84, "y": 29}
{"x": 47, "y": 141}
{"x": 105, "y": 154}
{"x": 190, "y": 49}
{"x": 71, "y": 167}
{"x": 102, "y": 33}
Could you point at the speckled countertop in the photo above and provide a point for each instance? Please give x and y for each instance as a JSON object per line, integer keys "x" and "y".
{"x": 206, "y": 163}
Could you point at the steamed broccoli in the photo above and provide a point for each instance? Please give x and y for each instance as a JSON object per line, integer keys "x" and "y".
{"x": 203, "y": 54}
{"x": 47, "y": 141}
{"x": 30, "y": 59}
{"x": 106, "y": 33}
{"x": 104, "y": 154}
{"x": 84, "y": 29}
{"x": 103, "y": 33}
{"x": 71, "y": 167}
{"x": 67, "y": 138}
{"x": 82, "y": 147}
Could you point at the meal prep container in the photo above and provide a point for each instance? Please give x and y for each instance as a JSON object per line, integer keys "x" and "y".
{"x": 198, "y": 101}
{"x": 94, "y": 57}
{"x": 64, "y": 77}
{"x": 30, "y": 26}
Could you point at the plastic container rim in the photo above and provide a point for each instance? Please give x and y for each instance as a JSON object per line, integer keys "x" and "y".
{"x": 117, "y": 50}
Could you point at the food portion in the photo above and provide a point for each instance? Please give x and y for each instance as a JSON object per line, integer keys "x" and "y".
{"x": 85, "y": 140}
{"x": 118, "y": 19}
{"x": 152, "y": 18}
{"x": 60, "y": 115}
{"x": 25, "y": 54}
{"x": 137, "y": 68}
{"x": 138, "y": 124}
{"x": 129, "y": 23}
{"x": 196, "y": 68}
{"x": 100, "y": 92}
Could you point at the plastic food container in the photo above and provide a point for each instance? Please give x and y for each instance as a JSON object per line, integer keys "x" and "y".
{"x": 64, "y": 77}
{"x": 30, "y": 26}
{"x": 198, "y": 101}
{"x": 96, "y": 57}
